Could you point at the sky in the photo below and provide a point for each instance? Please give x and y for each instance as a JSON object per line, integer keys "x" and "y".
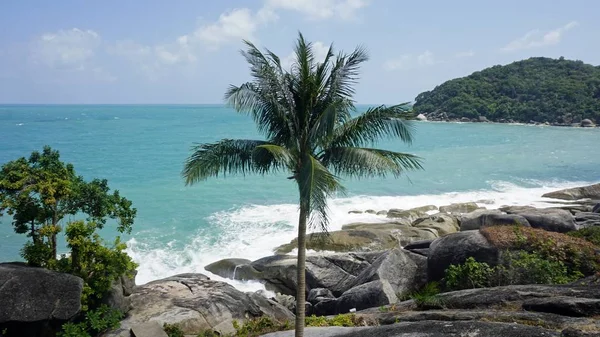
{"x": 187, "y": 51}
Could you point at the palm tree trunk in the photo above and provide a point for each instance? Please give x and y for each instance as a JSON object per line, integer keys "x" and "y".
{"x": 301, "y": 271}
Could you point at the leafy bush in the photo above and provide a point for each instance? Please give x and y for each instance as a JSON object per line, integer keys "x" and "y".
{"x": 99, "y": 266}
{"x": 259, "y": 326}
{"x": 517, "y": 267}
{"x": 173, "y": 330}
{"x": 471, "y": 274}
{"x": 578, "y": 255}
{"x": 94, "y": 323}
{"x": 590, "y": 234}
{"x": 317, "y": 321}
{"x": 427, "y": 297}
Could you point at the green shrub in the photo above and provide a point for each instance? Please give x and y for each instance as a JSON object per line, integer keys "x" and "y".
{"x": 317, "y": 321}
{"x": 591, "y": 234}
{"x": 471, "y": 274}
{"x": 99, "y": 266}
{"x": 94, "y": 323}
{"x": 578, "y": 255}
{"x": 173, "y": 330}
{"x": 259, "y": 326}
{"x": 427, "y": 297}
{"x": 517, "y": 267}
{"x": 521, "y": 267}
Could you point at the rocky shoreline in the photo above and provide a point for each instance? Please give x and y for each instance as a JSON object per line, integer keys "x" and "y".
{"x": 371, "y": 269}
{"x": 567, "y": 121}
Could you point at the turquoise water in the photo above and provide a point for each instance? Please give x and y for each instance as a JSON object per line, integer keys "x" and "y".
{"x": 141, "y": 150}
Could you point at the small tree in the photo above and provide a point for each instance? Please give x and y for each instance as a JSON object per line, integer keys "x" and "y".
{"x": 40, "y": 191}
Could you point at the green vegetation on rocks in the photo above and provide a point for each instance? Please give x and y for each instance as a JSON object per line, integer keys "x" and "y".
{"x": 537, "y": 89}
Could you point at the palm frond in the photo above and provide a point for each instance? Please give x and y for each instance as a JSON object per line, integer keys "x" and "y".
{"x": 229, "y": 156}
{"x": 334, "y": 114}
{"x": 373, "y": 125}
{"x": 367, "y": 162}
{"x": 316, "y": 185}
{"x": 267, "y": 98}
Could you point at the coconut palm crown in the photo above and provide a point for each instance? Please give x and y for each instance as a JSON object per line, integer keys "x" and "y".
{"x": 305, "y": 116}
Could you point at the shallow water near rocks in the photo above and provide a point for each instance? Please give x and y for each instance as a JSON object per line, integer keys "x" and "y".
{"x": 141, "y": 149}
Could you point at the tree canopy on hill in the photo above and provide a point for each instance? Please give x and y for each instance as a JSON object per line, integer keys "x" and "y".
{"x": 539, "y": 89}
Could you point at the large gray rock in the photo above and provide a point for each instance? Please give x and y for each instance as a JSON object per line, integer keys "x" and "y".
{"x": 587, "y": 219}
{"x": 372, "y": 294}
{"x": 148, "y": 329}
{"x": 484, "y": 298}
{"x": 404, "y": 271}
{"x": 489, "y": 218}
{"x": 408, "y": 215}
{"x": 459, "y": 208}
{"x": 228, "y": 268}
{"x": 429, "y": 329}
{"x": 334, "y": 272}
{"x": 195, "y": 303}
{"x": 116, "y": 297}
{"x": 443, "y": 224}
{"x": 319, "y": 294}
{"x": 455, "y": 249}
{"x": 403, "y": 233}
{"x": 591, "y": 192}
{"x": 596, "y": 208}
{"x": 550, "y": 219}
{"x": 564, "y": 305}
{"x": 29, "y": 294}
{"x": 367, "y": 239}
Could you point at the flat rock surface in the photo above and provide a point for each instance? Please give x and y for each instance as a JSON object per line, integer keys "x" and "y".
{"x": 429, "y": 329}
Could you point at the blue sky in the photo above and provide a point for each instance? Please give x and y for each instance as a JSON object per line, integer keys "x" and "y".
{"x": 186, "y": 51}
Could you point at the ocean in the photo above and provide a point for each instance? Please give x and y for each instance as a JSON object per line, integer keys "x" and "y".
{"x": 141, "y": 149}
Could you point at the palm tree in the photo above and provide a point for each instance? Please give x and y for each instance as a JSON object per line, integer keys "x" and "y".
{"x": 304, "y": 114}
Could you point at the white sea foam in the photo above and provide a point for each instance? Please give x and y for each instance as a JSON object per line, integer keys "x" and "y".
{"x": 252, "y": 232}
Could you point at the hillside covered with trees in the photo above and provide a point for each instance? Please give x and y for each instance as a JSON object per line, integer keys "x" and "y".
{"x": 557, "y": 91}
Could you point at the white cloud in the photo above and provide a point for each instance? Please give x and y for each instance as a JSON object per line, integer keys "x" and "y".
{"x": 319, "y": 50}
{"x": 462, "y": 54}
{"x": 66, "y": 49}
{"x": 408, "y": 61}
{"x": 536, "y": 38}
{"x": 320, "y": 9}
{"x": 235, "y": 25}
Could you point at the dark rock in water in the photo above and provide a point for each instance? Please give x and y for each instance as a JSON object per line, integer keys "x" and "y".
{"x": 465, "y": 207}
{"x": 591, "y": 192}
{"x": 319, "y": 294}
{"x": 455, "y": 249}
{"x": 596, "y": 209}
{"x": 355, "y": 212}
{"x": 465, "y": 120}
{"x": 371, "y": 211}
{"x": 431, "y": 328}
{"x": 483, "y": 119}
{"x": 368, "y": 295}
{"x": 33, "y": 300}
{"x": 550, "y": 219}
{"x": 227, "y": 268}
{"x": 418, "y": 244}
{"x": 196, "y": 303}
{"x": 587, "y": 123}
{"x": 566, "y": 306}
{"x": 488, "y": 218}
